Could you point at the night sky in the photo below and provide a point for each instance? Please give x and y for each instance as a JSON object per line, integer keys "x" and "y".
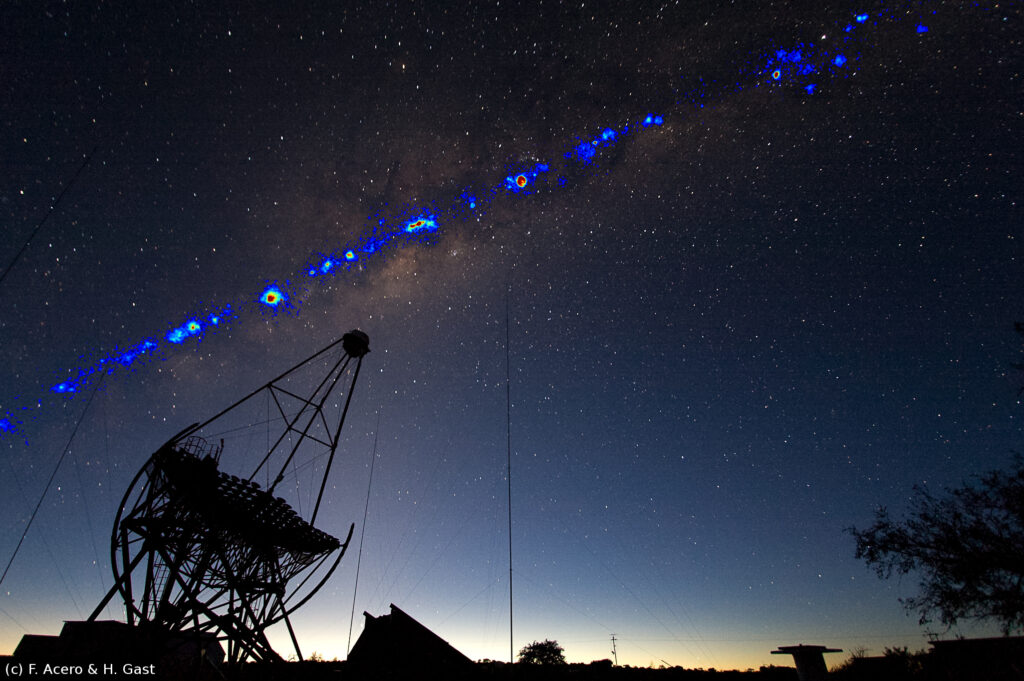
{"x": 733, "y": 334}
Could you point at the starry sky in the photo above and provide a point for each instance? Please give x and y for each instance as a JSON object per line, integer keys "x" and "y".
{"x": 732, "y": 335}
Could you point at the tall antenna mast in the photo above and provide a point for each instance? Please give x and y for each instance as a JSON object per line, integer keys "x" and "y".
{"x": 615, "y": 653}
{"x": 508, "y": 465}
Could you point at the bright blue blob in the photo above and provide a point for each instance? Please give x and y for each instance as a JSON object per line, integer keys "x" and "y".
{"x": 326, "y": 265}
{"x": 584, "y": 151}
{"x": 839, "y": 60}
{"x": 607, "y": 134}
{"x": 519, "y": 181}
{"x": 350, "y": 256}
{"x": 271, "y": 297}
{"x": 6, "y": 426}
{"x": 658, "y": 120}
{"x": 921, "y": 28}
{"x": 421, "y": 224}
{"x": 516, "y": 183}
{"x": 809, "y": 89}
{"x": 466, "y": 199}
{"x": 861, "y": 18}
{"x": 65, "y": 387}
{"x": 177, "y": 335}
{"x": 372, "y": 245}
{"x": 776, "y": 74}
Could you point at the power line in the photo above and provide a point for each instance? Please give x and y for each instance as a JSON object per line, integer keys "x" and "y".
{"x": 362, "y": 535}
{"x": 67, "y": 448}
{"x": 46, "y": 217}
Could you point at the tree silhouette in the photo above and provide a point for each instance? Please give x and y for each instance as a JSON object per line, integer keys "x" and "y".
{"x": 968, "y": 547}
{"x": 542, "y": 652}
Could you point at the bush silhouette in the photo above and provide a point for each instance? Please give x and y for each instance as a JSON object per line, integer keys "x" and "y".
{"x": 542, "y": 652}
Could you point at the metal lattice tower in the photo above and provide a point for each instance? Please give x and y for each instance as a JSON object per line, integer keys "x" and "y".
{"x": 200, "y": 553}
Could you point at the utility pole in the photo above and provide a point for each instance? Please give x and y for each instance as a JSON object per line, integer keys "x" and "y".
{"x": 614, "y": 653}
{"x": 508, "y": 461}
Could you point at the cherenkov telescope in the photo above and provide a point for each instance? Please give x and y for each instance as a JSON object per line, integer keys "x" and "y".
{"x": 200, "y": 554}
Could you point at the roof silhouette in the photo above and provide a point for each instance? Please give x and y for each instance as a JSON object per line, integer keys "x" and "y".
{"x": 398, "y": 642}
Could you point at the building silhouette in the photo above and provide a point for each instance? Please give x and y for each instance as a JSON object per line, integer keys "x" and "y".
{"x": 396, "y": 645}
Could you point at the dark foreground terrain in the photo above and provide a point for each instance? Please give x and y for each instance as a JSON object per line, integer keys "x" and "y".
{"x": 857, "y": 669}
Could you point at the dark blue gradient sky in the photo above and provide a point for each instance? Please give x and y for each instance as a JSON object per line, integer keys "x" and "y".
{"x": 732, "y": 336}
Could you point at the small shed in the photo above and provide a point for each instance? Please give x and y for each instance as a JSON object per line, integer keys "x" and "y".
{"x": 396, "y": 644}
